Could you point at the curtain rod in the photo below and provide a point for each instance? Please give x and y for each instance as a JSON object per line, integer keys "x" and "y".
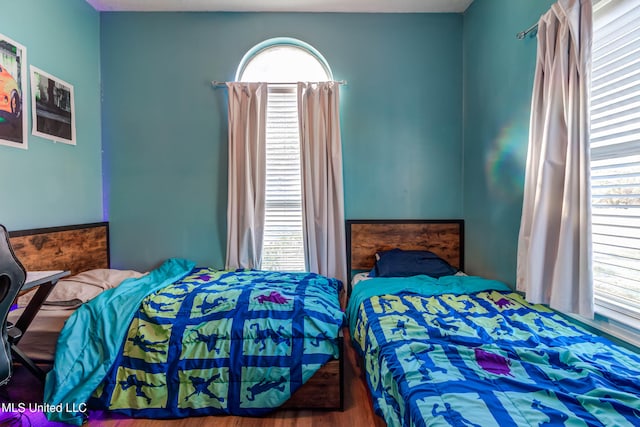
{"x": 522, "y": 34}
{"x": 217, "y": 83}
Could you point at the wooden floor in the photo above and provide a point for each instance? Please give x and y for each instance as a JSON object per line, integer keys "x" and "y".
{"x": 24, "y": 388}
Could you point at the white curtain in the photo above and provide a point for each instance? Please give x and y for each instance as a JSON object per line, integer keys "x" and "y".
{"x": 322, "y": 186}
{"x": 245, "y": 208}
{"x": 554, "y": 245}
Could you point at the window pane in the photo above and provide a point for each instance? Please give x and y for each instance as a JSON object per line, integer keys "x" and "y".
{"x": 615, "y": 159}
{"x": 285, "y": 63}
{"x": 283, "y": 247}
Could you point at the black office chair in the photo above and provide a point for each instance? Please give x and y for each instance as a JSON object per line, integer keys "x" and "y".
{"x": 12, "y": 277}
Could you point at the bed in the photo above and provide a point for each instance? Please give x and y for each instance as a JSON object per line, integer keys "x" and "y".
{"x": 461, "y": 350}
{"x": 179, "y": 354}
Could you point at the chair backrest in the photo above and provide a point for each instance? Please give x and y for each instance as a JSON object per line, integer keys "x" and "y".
{"x": 12, "y": 277}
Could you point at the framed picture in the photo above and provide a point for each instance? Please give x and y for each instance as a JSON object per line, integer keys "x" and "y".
{"x": 13, "y": 121}
{"x": 52, "y": 106}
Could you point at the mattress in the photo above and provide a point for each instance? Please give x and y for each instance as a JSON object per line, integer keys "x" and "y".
{"x": 39, "y": 341}
{"x": 468, "y": 351}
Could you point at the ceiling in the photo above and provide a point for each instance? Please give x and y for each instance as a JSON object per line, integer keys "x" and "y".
{"x": 358, "y": 6}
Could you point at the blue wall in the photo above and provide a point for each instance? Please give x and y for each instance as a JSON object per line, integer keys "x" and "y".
{"x": 165, "y": 131}
{"x": 55, "y": 184}
{"x": 498, "y": 79}
{"x": 408, "y": 153}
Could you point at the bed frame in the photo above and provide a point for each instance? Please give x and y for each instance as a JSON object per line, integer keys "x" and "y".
{"x": 76, "y": 248}
{"x": 444, "y": 237}
{"x": 365, "y": 237}
{"x": 83, "y": 247}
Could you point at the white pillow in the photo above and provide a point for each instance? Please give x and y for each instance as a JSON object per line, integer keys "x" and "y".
{"x": 359, "y": 277}
{"x": 72, "y": 291}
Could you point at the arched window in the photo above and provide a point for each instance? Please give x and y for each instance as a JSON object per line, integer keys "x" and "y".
{"x": 283, "y": 62}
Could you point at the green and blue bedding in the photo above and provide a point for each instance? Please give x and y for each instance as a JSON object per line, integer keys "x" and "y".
{"x": 465, "y": 351}
{"x": 185, "y": 341}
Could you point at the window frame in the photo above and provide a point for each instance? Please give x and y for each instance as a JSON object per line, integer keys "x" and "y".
{"x": 289, "y": 90}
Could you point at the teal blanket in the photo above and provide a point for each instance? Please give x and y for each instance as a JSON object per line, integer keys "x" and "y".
{"x": 420, "y": 285}
{"x": 98, "y": 329}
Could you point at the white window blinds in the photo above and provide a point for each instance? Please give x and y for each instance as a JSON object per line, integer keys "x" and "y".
{"x": 283, "y": 236}
{"x": 615, "y": 159}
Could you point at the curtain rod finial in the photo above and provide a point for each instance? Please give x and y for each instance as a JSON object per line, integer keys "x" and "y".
{"x": 533, "y": 30}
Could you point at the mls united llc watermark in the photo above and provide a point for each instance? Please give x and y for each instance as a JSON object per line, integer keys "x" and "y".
{"x": 73, "y": 408}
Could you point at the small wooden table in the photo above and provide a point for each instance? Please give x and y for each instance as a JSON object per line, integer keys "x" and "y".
{"x": 45, "y": 281}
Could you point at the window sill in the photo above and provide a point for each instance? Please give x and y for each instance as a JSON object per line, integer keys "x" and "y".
{"x": 606, "y": 323}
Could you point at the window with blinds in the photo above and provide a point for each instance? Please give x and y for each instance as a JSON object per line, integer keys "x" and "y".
{"x": 615, "y": 159}
{"x": 281, "y": 62}
{"x": 283, "y": 247}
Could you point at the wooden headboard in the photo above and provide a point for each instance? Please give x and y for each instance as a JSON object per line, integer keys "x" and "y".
{"x": 76, "y": 248}
{"x": 445, "y": 238}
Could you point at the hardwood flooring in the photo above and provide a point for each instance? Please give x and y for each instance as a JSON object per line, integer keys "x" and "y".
{"x": 357, "y": 408}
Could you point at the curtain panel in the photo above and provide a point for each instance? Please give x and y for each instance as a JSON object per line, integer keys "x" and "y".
{"x": 554, "y": 245}
{"x": 247, "y": 163}
{"x": 322, "y": 182}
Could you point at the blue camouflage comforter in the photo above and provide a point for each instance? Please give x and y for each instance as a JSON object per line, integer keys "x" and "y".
{"x": 215, "y": 342}
{"x": 485, "y": 357}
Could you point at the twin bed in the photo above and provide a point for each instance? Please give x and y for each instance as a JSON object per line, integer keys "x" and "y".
{"x": 458, "y": 350}
{"x": 453, "y": 350}
{"x": 183, "y": 340}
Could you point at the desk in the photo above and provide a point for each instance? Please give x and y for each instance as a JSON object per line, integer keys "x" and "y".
{"x": 44, "y": 281}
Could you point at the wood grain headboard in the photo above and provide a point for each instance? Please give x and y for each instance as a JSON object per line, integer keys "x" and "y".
{"x": 76, "y": 248}
{"x": 445, "y": 238}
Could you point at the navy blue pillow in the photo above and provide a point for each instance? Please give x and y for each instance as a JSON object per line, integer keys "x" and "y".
{"x": 399, "y": 263}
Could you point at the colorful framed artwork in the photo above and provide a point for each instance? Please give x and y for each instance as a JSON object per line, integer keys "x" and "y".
{"x": 13, "y": 121}
{"x": 52, "y": 106}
